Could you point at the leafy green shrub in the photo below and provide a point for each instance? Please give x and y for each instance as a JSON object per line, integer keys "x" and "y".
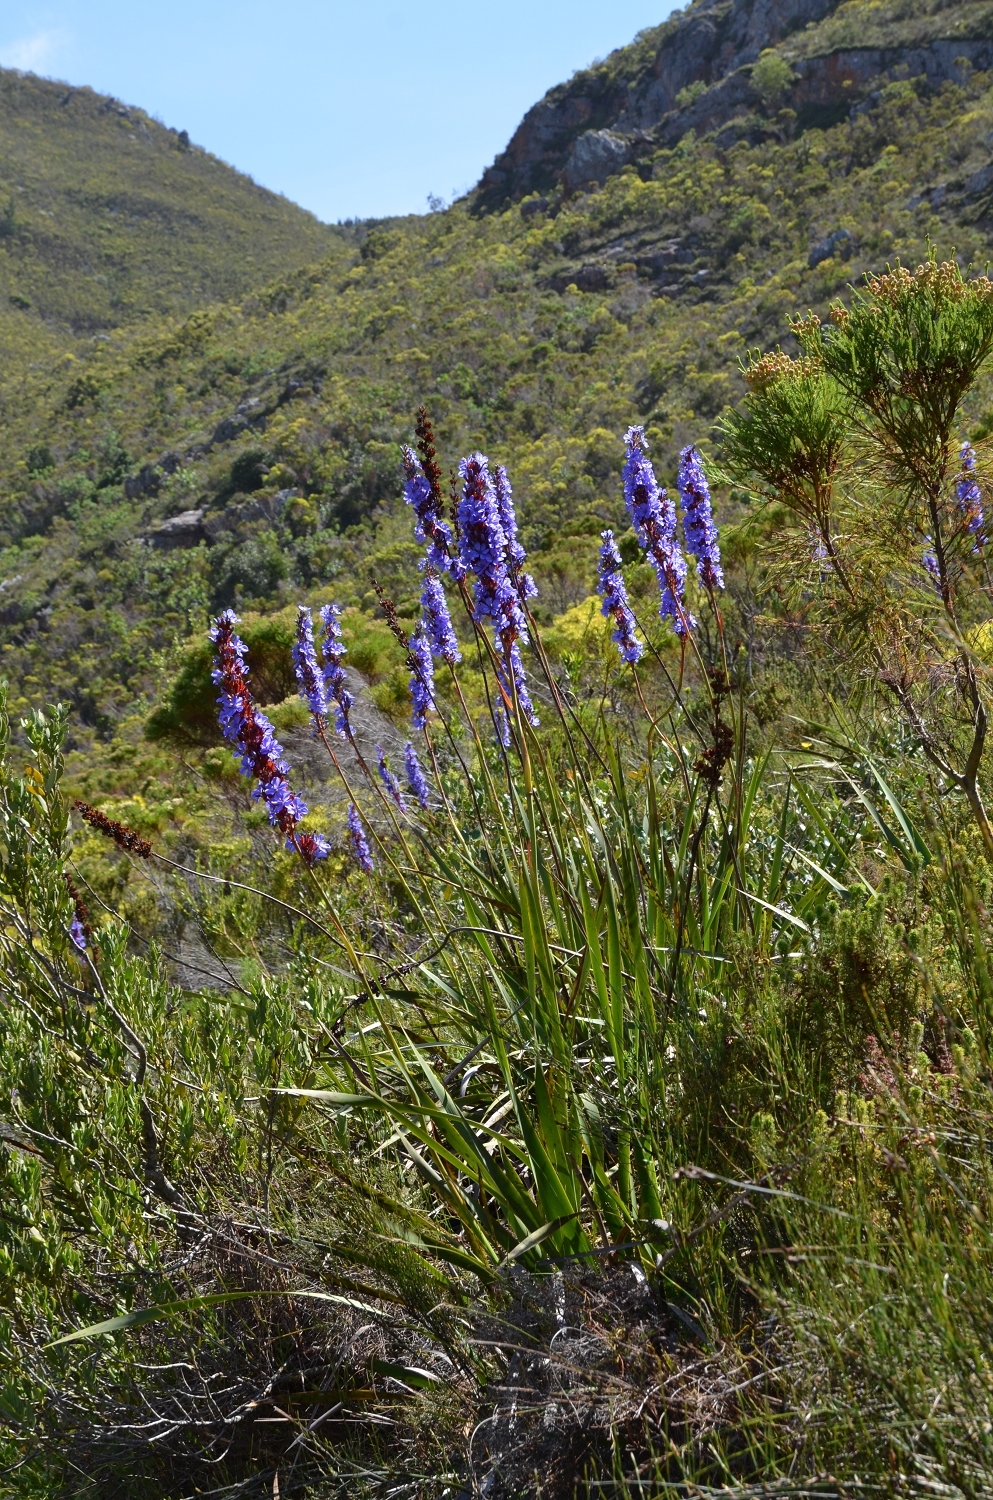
{"x": 248, "y": 471}
{"x": 190, "y": 711}
{"x": 251, "y": 570}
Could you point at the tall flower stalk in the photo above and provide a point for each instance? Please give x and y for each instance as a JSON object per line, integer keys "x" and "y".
{"x": 485, "y": 551}
{"x": 969, "y": 497}
{"x": 246, "y": 727}
{"x": 333, "y": 649}
{"x": 698, "y": 520}
{"x": 614, "y": 594}
{"x": 653, "y": 517}
{"x": 416, "y": 779}
{"x": 306, "y": 669}
{"x": 421, "y": 679}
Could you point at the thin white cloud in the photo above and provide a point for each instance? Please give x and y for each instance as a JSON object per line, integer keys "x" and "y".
{"x": 29, "y": 53}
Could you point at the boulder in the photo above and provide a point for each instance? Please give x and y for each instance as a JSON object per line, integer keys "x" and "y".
{"x": 840, "y": 242}
{"x": 593, "y": 157}
{"x": 262, "y": 508}
{"x": 184, "y": 530}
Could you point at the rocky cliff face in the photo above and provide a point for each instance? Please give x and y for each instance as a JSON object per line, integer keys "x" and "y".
{"x": 632, "y": 92}
{"x": 696, "y": 72}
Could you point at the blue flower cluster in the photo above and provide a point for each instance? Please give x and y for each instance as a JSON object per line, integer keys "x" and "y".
{"x": 308, "y": 673}
{"x": 421, "y": 679}
{"x": 360, "y": 844}
{"x": 698, "y": 520}
{"x": 515, "y": 682}
{"x": 416, "y": 779}
{"x": 78, "y": 934}
{"x": 388, "y": 779}
{"x": 486, "y": 555}
{"x": 613, "y": 592}
{"x": 333, "y": 650}
{"x": 929, "y": 561}
{"x": 516, "y": 555}
{"x": 436, "y": 621}
{"x": 969, "y": 497}
{"x": 653, "y": 517}
{"x": 246, "y": 727}
{"x": 428, "y": 526}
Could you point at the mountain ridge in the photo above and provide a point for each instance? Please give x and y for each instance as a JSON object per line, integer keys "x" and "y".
{"x": 265, "y": 430}
{"x": 697, "y": 72}
{"x": 108, "y": 217}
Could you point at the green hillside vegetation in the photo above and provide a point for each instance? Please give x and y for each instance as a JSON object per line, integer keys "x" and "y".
{"x": 700, "y": 253}
{"x": 108, "y": 218}
{"x": 611, "y": 1116}
{"x": 607, "y": 1114}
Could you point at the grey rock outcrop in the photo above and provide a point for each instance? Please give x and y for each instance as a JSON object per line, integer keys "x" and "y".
{"x": 586, "y": 129}
{"x": 594, "y": 156}
{"x": 711, "y": 40}
{"x": 194, "y": 526}
{"x": 262, "y": 508}
{"x": 184, "y": 530}
{"x": 840, "y": 243}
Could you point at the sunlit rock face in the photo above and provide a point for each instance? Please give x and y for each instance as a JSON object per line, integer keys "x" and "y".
{"x": 695, "y": 73}
{"x": 709, "y": 41}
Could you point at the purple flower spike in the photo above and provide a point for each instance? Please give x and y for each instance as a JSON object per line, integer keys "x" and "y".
{"x": 612, "y": 590}
{"x": 245, "y": 726}
{"x": 360, "y": 844}
{"x": 421, "y": 679}
{"x": 501, "y": 725}
{"x": 653, "y": 516}
{"x": 308, "y": 673}
{"x": 483, "y": 540}
{"x": 389, "y": 781}
{"x": 969, "y": 496}
{"x": 334, "y": 673}
{"x": 415, "y": 776}
{"x": 929, "y": 561}
{"x": 516, "y": 555}
{"x": 438, "y": 622}
{"x": 517, "y": 676}
{"x": 428, "y": 527}
{"x": 698, "y": 520}
{"x": 78, "y": 934}
{"x": 487, "y": 554}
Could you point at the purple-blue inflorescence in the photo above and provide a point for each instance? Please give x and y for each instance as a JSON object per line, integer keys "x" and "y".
{"x": 416, "y": 779}
{"x": 516, "y": 555}
{"x": 698, "y": 520}
{"x": 437, "y": 621}
{"x": 969, "y": 497}
{"x": 615, "y": 606}
{"x": 421, "y": 679}
{"x": 428, "y": 527}
{"x": 653, "y": 516}
{"x": 485, "y": 554}
{"x": 333, "y": 649}
{"x": 78, "y": 934}
{"x": 388, "y": 779}
{"x": 360, "y": 844}
{"x": 308, "y": 673}
{"x": 261, "y": 754}
{"x": 929, "y": 561}
{"x": 484, "y": 544}
{"x": 516, "y": 681}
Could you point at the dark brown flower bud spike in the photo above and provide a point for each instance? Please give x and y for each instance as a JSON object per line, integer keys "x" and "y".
{"x": 429, "y": 457}
{"x": 123, "y": 836}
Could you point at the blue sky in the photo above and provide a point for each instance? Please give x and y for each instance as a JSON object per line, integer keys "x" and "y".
{"x": 352, "y": 109}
